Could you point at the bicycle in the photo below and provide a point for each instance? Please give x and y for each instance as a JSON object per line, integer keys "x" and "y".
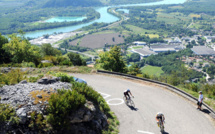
{"x": 161, "y": 126}
{"x": 129, "y": 101}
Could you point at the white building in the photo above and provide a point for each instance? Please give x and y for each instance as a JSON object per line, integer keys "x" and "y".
{"x": 140, "y": 43}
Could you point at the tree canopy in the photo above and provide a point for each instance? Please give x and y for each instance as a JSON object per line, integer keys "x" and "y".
{"x": 112, "y": 60}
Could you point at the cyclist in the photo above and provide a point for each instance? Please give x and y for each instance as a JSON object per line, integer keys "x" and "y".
{"x": 160, "y": 116}
{"x": 126, "y": 94}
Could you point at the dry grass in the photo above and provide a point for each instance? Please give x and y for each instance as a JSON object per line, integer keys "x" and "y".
{"x": 195, "y": 15}
{"x": 44, "y": 93}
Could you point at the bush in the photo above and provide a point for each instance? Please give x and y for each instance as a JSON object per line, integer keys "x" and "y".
{"x": 11, "y": 65}
{"x": 66, "y": 62}
{"x": 61, "y": 105}
{"x": 41, "y": 65}
{"x": 91, "y": 95}
{"x": 28, "y": 64}
{"x": 13, "y": 77}
{"x": 7, "y": 113}
{"x": 52, "y": 59}
{"x": 64, "y": 77}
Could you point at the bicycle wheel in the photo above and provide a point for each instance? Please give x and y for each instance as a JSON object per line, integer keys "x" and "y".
{"x": 132, "y": 103}
{"x": 161, "y": 126}
{"x": 125, "y": 100}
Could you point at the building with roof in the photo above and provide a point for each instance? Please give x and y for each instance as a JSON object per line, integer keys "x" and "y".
{"x": 140, "y": 43}
{"x": 166, "y": 48}
{"x": 203, "y": 51}
{"x": 144, "y": 52}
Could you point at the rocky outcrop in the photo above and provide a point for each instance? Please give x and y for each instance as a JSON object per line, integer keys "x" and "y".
{"x": 46, "y": 80}
{"x": 30, "y": 97}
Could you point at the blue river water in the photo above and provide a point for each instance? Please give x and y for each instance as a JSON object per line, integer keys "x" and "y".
{"x": 104, "y": 17}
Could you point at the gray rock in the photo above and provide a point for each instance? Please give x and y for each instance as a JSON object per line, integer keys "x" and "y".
{"x": 23, "y": 82}
{"x": 21, "y": 113}
{"x": 6, "y": 69}
{"x": 43, "y": 81}
{"x": 40, "y": 96}
{"x": 52, "y": 80}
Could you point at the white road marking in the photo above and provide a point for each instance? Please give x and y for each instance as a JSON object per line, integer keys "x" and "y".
{"x": 144, "y": 132}
{"x": 122, "y": 101}
{"x": 105, "y": 95}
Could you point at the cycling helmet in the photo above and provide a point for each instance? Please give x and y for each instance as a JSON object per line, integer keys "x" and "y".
{"x": 159, "y": 114}
{"x": 128, "y": 90}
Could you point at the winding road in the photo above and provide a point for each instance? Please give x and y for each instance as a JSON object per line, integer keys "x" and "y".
{"x": 182, "y": 117}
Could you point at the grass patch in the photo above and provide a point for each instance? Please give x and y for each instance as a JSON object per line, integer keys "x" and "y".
{"x": 141, "y": 31}
{"x": 137, "y": 47}
{"x": 152, "y": 70}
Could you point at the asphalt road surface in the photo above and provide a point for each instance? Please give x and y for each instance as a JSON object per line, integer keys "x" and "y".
{"x": 182, "y": 117}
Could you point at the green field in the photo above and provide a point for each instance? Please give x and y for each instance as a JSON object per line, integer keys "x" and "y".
{"x": 141, "y": 31}
{"x": 152, "y": 70}
{"x": 173, "y": 18}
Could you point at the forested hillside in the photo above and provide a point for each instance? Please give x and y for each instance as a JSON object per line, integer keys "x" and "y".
{"x": 90, "y": 3}
{"x": 64, "y": 3}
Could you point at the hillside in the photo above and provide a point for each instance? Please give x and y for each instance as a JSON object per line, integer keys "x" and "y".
{"x": 64, "y": 3}
{"x": 89, "y": 3}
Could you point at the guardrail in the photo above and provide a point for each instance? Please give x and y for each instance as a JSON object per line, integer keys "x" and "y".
{"x": 177, "y": 90}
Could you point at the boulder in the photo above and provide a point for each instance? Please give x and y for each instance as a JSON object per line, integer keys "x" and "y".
{"x": 43, "y": 81}
{"x": 22, "y": 114}
{"x": 23, "y": 82}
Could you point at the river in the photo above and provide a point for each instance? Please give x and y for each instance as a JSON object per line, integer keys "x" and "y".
{"x": 104, "y": 17}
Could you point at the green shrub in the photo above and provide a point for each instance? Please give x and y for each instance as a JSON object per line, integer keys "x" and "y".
{"x": 64, "y": 77}
{"x": 11, "y": 65}
{"x": 34, "y": 79}
{"x": 91, "y": 95}
{"x": 63, "y": 104}
{"x": 41, "y": 65}
{"x": 66, "y": 62}
{"x": 7, "y": 113}
{"x": 28, "y": 64}
{"x": 13, "y": 77}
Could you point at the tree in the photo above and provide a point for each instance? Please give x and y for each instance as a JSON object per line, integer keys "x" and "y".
{"x": 134, "y": 69}
{"x": 113, "y": 39}
{"x": 21, "y": 50}
{"x": 134, "y": 57}
{"x": 76, "y": 59}
{"x": 112, "y": 60}
{"x": 47, "y": 49}
{"x": 4, "y": 56}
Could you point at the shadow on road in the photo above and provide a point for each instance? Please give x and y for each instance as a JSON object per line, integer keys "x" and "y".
{"x": 133, "y": 108}
{"x": 206, "y": 111}
{"x": 165, "y": 133}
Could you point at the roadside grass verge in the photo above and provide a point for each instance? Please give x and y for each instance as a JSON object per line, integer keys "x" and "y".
{"x": 207, "y": 100}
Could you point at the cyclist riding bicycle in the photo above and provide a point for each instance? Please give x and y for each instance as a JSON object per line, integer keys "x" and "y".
{"x": 126, "y": 94}
{"x": 160, "y": 116}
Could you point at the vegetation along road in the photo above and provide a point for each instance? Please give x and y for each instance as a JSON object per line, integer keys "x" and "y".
{"x": 182, "y": 117}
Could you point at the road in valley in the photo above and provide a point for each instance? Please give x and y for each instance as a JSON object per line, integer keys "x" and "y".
{"x": 182, "y": 117}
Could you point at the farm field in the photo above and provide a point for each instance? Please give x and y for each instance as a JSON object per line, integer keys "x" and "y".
{"x": 173, "y": 18}
{"x": 99, "y": 40}
{"x": 152, "y": 70}
{"x": 138, "y": 30}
